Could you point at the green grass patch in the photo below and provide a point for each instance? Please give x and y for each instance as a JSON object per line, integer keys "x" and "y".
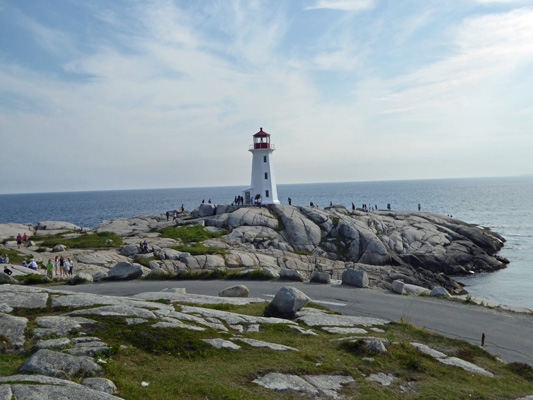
{"x": 144, "y": 261}
{"x": 199, "y": 249}
{"x": 14, "y": 256}
{"x": 93, "y": 240}
{"x": 33, "y": 279}
{"x": 10, "y": 363}
{"x": 188, "y": 234}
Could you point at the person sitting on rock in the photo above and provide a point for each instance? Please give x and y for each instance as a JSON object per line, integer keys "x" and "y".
{"x": 33, "y": 265}
{"x": 145, "y": 247}
{"x": 5, "y": 259}
{"x": 7, "y": 271}
{"x": 24, "y": 263}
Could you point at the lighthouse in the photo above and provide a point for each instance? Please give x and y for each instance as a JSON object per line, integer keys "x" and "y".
{"x": 263, "y": 178}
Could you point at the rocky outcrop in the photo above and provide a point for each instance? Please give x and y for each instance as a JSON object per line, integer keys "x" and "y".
{"x": 418, "y": 248}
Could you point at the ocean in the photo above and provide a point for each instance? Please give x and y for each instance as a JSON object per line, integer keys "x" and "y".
{"x": 502, "y": 204}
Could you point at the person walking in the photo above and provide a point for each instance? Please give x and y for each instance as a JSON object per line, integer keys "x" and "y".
{"x": 19, "y": 240}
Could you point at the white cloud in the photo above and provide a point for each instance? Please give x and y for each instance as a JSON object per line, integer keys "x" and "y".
{"x": 344, "y": 5}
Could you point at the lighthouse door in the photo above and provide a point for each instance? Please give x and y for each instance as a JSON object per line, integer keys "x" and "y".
{"x": 246, "y": 197}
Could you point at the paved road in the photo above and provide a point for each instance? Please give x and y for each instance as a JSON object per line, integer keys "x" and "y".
{"x": 508, "y": 335}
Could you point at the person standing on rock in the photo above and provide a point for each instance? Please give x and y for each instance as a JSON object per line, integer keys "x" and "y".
{"x": 168, "y": 215}
{"x": 49, "y": 269}
{"x": 25, "y": 239}
{"x": 290, "y": 201}
{"x": 19, "y": 240}
{"x": 56, "y": 263}
{"x": 419, "y": 206}
{"x": 353, "y": 207}
{"x": 70, "y": 267}
{"x": 62, "y": 266}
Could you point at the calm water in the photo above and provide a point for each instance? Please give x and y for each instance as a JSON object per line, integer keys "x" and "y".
{"x": 503, "y": 204}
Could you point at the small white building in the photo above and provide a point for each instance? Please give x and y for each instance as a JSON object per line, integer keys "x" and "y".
{"x": 263, "y": 178}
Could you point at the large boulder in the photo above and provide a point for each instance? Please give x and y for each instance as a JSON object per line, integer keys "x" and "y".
{"x": 206, "y": 210}
{"x": 80, "y": 278}
{"x": 235, "y": 291}
{"x": 125, "y": 271}
{"x": 286, "y": 303}
{"x": 355, "y": 278}
{"x": 59, "y": 247}
{"x": 129, "y": 250}
{"x": 59, "y": 365}
{"x": 291, "y": 275}
{"x": 52, "y": 227}
{"x": 320, "y": 277}
{"x": 11, "y": 230}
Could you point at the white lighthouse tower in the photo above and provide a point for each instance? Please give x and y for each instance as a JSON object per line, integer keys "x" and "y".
{"x": 263, "y": 178}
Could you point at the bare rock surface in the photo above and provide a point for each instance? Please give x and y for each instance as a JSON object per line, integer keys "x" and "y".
{"x": 11, "y": 230}
{"x": 261, "y": 344}
{"x": 313, "y": 319}
{"x": 382, "y": 378}
{"x": 37, "y": 387}
{"x": 13, "y": 329}
{"x": 222, "y": 344}
{"x": 18, "y": 299}
{"x": 60, "y": 365}
{"x": 311, "y": 385}
{"x": 466, "y": 365}
{"x": 59, "y": 325}
{"x": 284, "y": 382}
{"x": 100, "y": 385}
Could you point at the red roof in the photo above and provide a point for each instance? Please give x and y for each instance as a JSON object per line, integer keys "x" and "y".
{"x": 261, "y": 133}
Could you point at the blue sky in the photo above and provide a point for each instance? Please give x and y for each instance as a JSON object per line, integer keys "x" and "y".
{"x": 151, "y": 94}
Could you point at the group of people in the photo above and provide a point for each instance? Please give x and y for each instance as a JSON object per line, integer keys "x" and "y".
{"x": 239, "y": 200}
{"x": 175, "y": 213}
{"x": 143, "y": 247}
{"x": 22, "y": 240}
{"x": 61, "y": 267}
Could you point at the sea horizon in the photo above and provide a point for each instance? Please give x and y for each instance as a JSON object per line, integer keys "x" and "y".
{"x": 278, "y": 184}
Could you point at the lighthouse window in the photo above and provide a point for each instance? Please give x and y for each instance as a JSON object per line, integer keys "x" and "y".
{"x": 266, "y": 193}
{"x": 264, "y": 158}
{"x": 266, "y": 175}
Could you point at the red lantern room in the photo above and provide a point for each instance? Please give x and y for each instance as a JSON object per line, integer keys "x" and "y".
{"x": 262, "y": 140}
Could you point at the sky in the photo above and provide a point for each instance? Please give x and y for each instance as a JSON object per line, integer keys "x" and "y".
{"x": 125, "y": 94}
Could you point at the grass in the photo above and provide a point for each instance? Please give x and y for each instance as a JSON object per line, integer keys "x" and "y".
{"x": 145, "y": 261}
{"x": 14, "y": 256}
{"x": 188, "y": 234}
{"x": 178, "y": 364}
{"x": 93, "y": 240}
{"x": 199, "y": 249}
